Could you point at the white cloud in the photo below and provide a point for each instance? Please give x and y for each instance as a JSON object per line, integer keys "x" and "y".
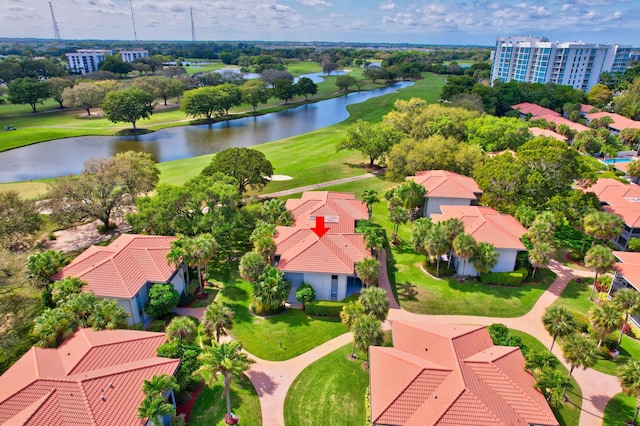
{"x": 314, "y": 2}
{"x": 387, "y": 6}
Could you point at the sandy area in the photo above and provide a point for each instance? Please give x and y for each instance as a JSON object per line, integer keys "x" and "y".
{"x": 276, "y": 178}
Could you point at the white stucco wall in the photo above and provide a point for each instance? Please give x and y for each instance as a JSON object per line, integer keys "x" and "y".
{"x": 506, "y": 263}
{"x": 322, "y": 284}
{"x": 432, "y": 204}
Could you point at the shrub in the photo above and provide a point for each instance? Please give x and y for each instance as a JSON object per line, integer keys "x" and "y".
{"x": 610, "y": 342}
{"x": 603, "y": 284}
{"x": 157, "y": 325}
{"x": 444, "y": 271}
{"x": 186, "y": 299}
{"x": 177, "y": 421}
{"x": 576, "y": 255}
{"x": 509, "y": 279}
{"x": 324, "y": 308}
{"x": 305, "y": 293}
{"x": 162, "y": 299}
{"x": 605, "y": 353}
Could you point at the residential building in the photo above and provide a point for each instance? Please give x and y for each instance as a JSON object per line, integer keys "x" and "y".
{"x": 132, "y": 55}
{"x": 93, "y": 378}
{"x": 443, "y": 374}
{"x": 627, "y": 275}
{"x": 619, "y": 122}
{"x": 488, "y": 226}
{"x": 327, "y": 263}
{"x": 126, "y": 269}
{"x": 535, "y": 131}
{"x": 85, "y": 61}
{"x": 446, "y": 188}
{"x": 538, "y": 60}
{"x": 621, "y": 199}
{"x": 576, "y": 127}
{"x": 527, "y": 109}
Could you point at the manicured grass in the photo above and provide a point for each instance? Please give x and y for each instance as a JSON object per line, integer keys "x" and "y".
{"x": 210, "y": 407}
{"x": 280, "y": 337}
{"x": 576, "y": 298}
{"x": 620, "y": 410}
{"x": 28, "y": 189}
{"x": 203, "y": 303}
{"x": 422, "y": 293}
{"x": 331, "y": 391}
{"x": 303, "y": 67}
{"x": 568, "y": 414}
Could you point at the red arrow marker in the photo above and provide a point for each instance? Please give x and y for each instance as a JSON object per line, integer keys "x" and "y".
{"x": 320, "y": 230}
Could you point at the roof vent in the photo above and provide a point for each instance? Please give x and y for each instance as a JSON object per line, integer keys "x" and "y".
{"x": 426, "y": 349}
{"x": 435, "y": 396}
{"x": 111, "y": 385}
{"x": 103, "y": 398}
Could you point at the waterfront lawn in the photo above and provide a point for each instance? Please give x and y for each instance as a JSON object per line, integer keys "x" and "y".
{"x": 331, "y": 391}
{"x": 568, "y": 414}
{"x": 303, "y": 67}
{"x": 576, "y": 298}
{"x": 210, "y": 407}
{"x": 28, "y": 190}
{"x": 280, "y": 337}
{"x": 419, "y": 292}
{"x": 619, "y": 410}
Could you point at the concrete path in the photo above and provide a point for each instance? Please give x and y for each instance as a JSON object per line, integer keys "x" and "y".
{"x": 272, "y": 379}
{"x": 315, "y": 186}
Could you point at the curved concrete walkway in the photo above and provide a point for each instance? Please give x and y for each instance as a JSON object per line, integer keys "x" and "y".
{"x": 272, "y": 379}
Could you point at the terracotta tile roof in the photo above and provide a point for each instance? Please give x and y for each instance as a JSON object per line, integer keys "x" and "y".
{"x": 534, "y": 110}
{"x": 586, "y": 108}
{"x": 442, "y": 183}
{"x": 628, "y": 267}
{"x": 577, "y": 127}
{"x": 620, "y": 198}
{"x": 340, "y": 209}
{"x": 438, "y": 374}
{"x": 301, "y": 250}
{"x": 123, "y": 267}
{"x": 486, "y": 225}
{"x": 619, "y": 122}
{"x": 94, "y": 378}
{"x": 536, "y": 131}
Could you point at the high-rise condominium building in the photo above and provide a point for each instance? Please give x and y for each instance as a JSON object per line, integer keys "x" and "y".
{"x": 538, "y": 60}
{"x": 132, "y": 55}
{"x": 84, "y": 61}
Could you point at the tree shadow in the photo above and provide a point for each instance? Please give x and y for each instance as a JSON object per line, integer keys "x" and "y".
{"x": 407, "y": 292}
{"x": 263, "y": 384}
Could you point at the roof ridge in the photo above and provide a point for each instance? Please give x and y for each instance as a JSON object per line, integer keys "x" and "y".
{"x": 136, "y": 365}
{"x": 388, "y": 406}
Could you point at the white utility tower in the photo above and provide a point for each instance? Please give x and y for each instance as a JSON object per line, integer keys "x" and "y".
{"x": 56, "y": 30}
{"x": 133, "y": 21}
{"x": 193, "y": 28}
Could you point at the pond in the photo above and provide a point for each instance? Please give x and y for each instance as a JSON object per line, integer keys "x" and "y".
{"x": 66, "y": 156}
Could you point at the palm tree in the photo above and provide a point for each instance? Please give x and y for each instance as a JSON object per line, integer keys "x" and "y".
{"x": 540, "y": 255}
{"x": 538, "y": 361}
{"x": 603, "y": 226}
{"x": 350, "y": 312}
{"x": 217, "y": 318}
{"x": 579, "y": 351}
{"x": 65, "y": 288}
{"x": 604, "y": 318}
{"x": 412, "y": 195}
{"x": 559, "y": 322}
{"x": 374, "y": 241}
{"x": 486, "y": 257}
{"x": 265, "y": 247}
{"x": 397, "y": 216}
{"x": 263, "y": 229}
{"x": 194, "y": 251}
{"x": 53, "y": 327}
{"x": 464, "y": 246}
{"x": 155, "y": 408}
{"x": 225, "y": 359}
{"x": 543, "y": 228}
{"x": 554, "y": 385}
{"x": 627, "y": 300}
{"x": 437, "y": 244}
{"x": 183, "y": 329}
{"x": 375, "y": 302}
{"x": 370, "y": 197}
{"x": 81, "y": 307}
{"x": 107, "y": 315}
{"x": 368, "y": 270}
{"x": 159, "y": 384}
{"x": 452, "y": 227}
{"x": 599, "y": 259}
{"x": 270, "y": 290}
{"x": 251, "y": 266}
{"x": 366, "y": 332}
{"x": 629, "y": 375}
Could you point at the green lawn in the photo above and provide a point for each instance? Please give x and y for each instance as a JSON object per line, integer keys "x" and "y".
{"x": 576, "y": 298}
{"x": 568, "y": 414}
{"x": 280, "y": 337}
{"x": 331, "y": 391}
{"x": 620, "y": 410}
{"x": 421, "y": 293}
{"x": 210, "y": 408}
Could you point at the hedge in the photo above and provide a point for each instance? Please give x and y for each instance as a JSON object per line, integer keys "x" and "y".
{"x": 324, "y": 308}
{"x": 509, "y": 279}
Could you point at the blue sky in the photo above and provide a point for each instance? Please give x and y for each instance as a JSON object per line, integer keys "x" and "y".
{"x": 417, "y": 21}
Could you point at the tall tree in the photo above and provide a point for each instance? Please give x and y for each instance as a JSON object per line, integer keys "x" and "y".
{"x": 251, "y": 266}
{"x": 464, "y": 246}
{"x": 599, "y": 259}
{"x": 371, "y": 140}
{"x": 629, "y": 375}
{"x": 284, "y": 89}
{"x": 270, "y": 290}
{"x": 159, "y": 384}
{"x": 85, "y": 95}
{"x": 350, "y": 312}
{"x": 486, "y": 257}
{"x": 437, "y": 243}
{"x": 553, "y": 384}
{"x": 43, "y": 265}
{"x": 452, "y": 227}
{"x": 375, "y": 302}
{"x": 53, "y": 327}
{"x": 249, "y": 167}
{"x": 203, "y": 101}
{"x": 56, "y": 87}
{"x": 366, "y": 332}
{"x": 194, "y": 252}
{"x": 369, "y": 198}
{"x": 540, "y": 255}
{"x": 129, "y": 105}
{"x": 155, "y": 409}
{"x": 255, "y": 92}
{"x": 305, "y": 87}
{"x": 627, "y": 301}
{"x": 224, "y": 359}
{"x": 559, "y": 322}
{"x": 412, "y": 195}
{"x": 182, "y": 329}
{"x": 107, "y": 315}
{"x": 579, "y": 351}
{"x": 368, "y": 270}
{"x": 397, "y": 216}
{"x": 217, "y": 319}
{"x": 27, "y": 90}
{"x": 603, "y": 226}
{"x": 19, "y": 220}
{"x": 604, "y": 318}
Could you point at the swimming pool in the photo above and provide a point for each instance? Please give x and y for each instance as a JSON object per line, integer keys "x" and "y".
{"x": 617, "y": 160}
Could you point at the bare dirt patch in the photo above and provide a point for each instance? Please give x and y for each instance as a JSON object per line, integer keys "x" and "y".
{"x": 82, "y": 236}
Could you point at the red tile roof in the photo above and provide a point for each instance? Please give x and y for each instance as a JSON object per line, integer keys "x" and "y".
{"x": 340, "y": 210}
{"x": 534, "y": 110}
{"x": 442, "y": 183}
{"x": 586, "y": 108}
{"x": 619, "y": 122}
{"x": 439, "y": 374}
{"x": 486, "y": 225}
{"x": 577, "y": 127}
{"x": 535, "y": 131}
{"x": 301, "y": 250}
{"x": 94, "y": 378}
{"x": 621, "y": 199}
{"x": 628, "y": 267}
{"x": 123, "y": 267}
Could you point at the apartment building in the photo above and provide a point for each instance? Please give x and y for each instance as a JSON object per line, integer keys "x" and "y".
{"x": 84, "y": 61}
{"x": 538, "y": 60}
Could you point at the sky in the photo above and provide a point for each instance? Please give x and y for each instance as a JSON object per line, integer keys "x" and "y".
{"x": 476, "y": 22}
